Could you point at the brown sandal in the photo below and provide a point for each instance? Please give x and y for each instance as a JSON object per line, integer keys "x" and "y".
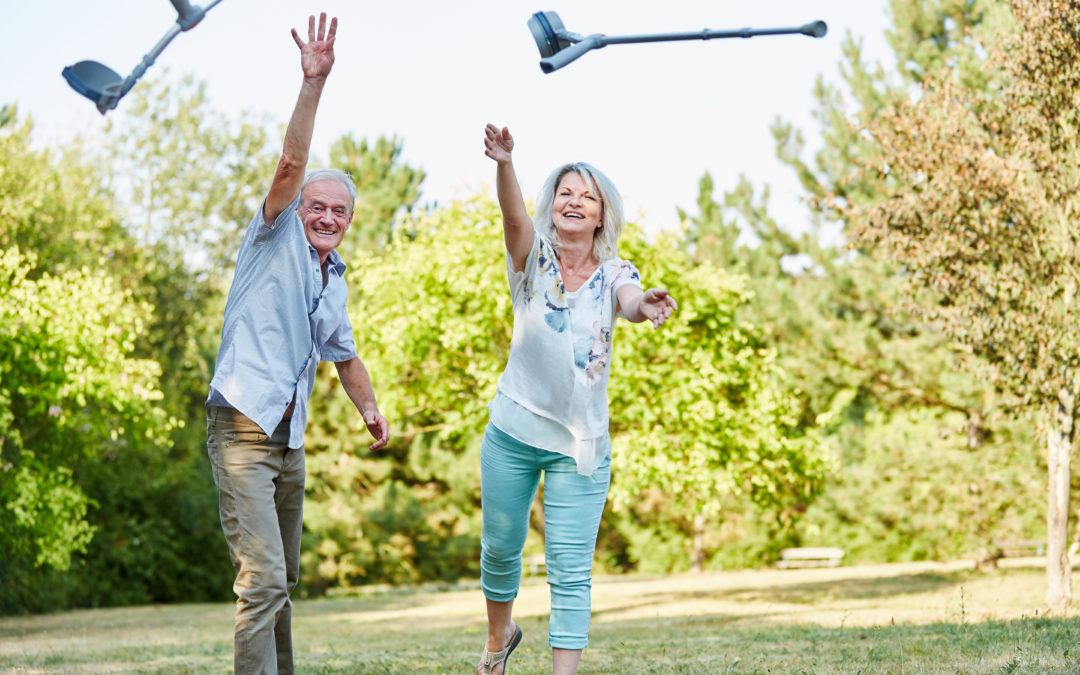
{"x": 491, "y": 659}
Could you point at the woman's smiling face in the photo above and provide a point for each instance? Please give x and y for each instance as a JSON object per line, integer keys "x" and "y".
{"x": 577, "y": 208}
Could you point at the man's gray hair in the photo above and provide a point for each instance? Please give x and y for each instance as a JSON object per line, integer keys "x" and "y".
{"x": 605, "y": 240}
{"x": 332, "y": 174}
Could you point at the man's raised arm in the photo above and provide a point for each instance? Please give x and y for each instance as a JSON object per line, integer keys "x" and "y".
{"x": 316, "y": 59}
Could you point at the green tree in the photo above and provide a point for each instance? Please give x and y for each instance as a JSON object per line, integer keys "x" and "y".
{"x": 433, "y": 321}
{"x": 703, "y": 413}
{"x": 187, "y": 180}
{"x": 187, "y": 176}
{"x": 846, "y": 302}
{"x": 153, "y": 507}
{"x": 386, "y": 188}
{"x": 978, "y": 208}
{"x": 861, "y": 367}
{"x": 71, "y": 395}
{"x": 52, "y": 203}
{"x": 864, "y": 364}
{"x": 912, "y": 487}
{"x": 433, "y": 318}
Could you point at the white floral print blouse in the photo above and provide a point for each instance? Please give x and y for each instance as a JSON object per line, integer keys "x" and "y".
{"x": 553, "y": 393}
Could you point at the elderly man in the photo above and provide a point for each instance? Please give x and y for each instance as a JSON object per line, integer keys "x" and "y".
{"x": 285, "y": 313}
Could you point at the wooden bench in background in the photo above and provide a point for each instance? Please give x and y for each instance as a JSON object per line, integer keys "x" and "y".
{"x": 810, "y": 557}
{"x": 1021, "y": 548}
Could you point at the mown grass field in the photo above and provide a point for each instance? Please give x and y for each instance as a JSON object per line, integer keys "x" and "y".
{"x": 902, "y": 618}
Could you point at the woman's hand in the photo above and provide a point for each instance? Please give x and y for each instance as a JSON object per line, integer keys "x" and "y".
{"x": 657, "y": 306}
{"x": 498, "y": 143}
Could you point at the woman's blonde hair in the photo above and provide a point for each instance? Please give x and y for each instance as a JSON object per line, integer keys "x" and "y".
{"x": 605, "y": 239}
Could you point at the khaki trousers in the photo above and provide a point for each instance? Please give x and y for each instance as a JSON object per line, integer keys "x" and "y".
{"x": 260, "y": 485}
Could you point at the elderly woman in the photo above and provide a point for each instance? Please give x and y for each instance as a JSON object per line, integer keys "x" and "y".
{"x": 550, "y": 411}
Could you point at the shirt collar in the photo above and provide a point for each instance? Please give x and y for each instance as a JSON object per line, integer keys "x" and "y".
{"x": 337, "y": 264}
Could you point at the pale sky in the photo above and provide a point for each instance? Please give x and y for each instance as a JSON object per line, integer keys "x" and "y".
{"x": 654, "y": 117}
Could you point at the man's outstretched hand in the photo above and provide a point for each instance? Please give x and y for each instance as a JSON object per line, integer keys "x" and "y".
{"x": 317, "y": 55}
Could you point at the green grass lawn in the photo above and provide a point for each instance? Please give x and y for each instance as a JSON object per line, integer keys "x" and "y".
{"x": 903, "y": 618}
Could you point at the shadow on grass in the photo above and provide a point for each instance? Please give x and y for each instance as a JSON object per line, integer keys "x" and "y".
{"x": 810, "y": 593}
{"x": 717, "y": 644}
{"x": 855, "y": 589}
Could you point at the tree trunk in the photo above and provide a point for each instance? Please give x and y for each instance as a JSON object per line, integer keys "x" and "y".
{"x": 1058, "y": 456}
{"x": 698, "y": 563}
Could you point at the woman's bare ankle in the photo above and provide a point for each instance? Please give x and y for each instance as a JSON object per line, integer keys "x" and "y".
{"x": 496, "y": 642}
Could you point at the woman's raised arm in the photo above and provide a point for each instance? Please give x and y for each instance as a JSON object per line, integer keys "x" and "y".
{"x": 517, "y": 226}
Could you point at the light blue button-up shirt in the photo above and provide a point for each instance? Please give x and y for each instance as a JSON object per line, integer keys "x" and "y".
{"x": 280, "y": 321}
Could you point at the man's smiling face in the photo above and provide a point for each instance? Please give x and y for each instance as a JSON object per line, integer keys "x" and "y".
{"x": 326, "y": 211}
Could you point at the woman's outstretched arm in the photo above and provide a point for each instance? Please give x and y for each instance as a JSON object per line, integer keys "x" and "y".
{"x": 517, "y": 226}
{"x": 652, "y": 305}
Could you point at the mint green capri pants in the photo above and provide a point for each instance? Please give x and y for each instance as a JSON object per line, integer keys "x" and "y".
{"x": 509, "y": 475}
